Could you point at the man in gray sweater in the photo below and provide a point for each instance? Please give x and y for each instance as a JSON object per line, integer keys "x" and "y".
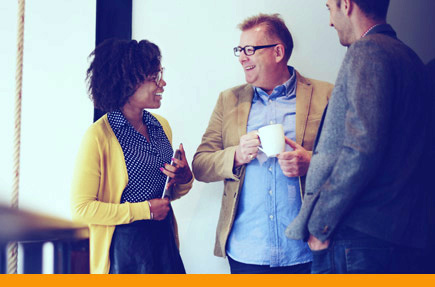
{"x": 364, "y": 206}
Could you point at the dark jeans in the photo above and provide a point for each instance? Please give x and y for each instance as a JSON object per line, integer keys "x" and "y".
{"x": 242, "y": 268}
{"x": 354, "y": 252}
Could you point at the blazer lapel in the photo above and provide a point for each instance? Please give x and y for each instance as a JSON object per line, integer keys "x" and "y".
{"x": 243, "y": 108}
{"x": 303, "y": 100}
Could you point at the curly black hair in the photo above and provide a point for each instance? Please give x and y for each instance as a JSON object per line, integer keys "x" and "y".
{"x": 118, "y": 68}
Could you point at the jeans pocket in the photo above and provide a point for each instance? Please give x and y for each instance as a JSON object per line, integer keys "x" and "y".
{"x": 321, "y": 261}
{"x": 368, "y": 260}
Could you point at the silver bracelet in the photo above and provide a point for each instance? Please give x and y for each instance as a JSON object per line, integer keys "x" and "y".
{"x": 151, "y": 214}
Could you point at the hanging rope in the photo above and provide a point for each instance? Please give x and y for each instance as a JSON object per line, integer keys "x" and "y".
{"x": 13, "y": 246}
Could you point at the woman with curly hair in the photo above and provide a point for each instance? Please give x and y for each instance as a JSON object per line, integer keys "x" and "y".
{"x": 123, "y": 164}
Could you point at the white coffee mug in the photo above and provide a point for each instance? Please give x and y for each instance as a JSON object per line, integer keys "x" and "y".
{"x": 272, "y": 139}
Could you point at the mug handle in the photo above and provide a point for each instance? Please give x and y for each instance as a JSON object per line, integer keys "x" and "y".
{"x": 259, "y": 147}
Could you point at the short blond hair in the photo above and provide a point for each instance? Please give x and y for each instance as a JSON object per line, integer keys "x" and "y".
{"x": 275, "y": 27}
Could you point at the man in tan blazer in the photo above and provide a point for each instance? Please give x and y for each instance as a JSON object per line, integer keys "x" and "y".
{"x": 262, "y": 195}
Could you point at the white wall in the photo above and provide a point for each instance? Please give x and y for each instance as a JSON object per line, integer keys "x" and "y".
{"x": 8, "y": 27}
{"x": 55, "y": 109}
{"x": 196, "y": 39}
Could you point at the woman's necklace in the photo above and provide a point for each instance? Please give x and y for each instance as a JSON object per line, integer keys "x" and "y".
{"x": 140, "y": 129}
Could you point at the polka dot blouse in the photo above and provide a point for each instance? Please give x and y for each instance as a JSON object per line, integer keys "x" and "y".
{"x": 142, "y": 158}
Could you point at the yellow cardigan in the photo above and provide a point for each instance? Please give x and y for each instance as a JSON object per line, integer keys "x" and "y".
{"x": 100, "y": 177}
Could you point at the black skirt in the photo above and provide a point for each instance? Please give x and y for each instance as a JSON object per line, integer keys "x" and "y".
{"x": 145, "y": 247}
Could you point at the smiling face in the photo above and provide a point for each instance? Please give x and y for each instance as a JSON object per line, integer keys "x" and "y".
{"x": 147, "y": 96}
{"x": 259, "y": 68}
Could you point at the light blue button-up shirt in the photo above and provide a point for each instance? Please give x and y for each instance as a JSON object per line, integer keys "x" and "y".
{"x": 269, "y": 200}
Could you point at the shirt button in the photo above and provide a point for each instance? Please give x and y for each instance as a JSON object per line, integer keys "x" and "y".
{"x": 270, "y": 192}
{"x": 270, "y": 168}
{"x": 271, "y": 217}
{"x": 270, "y": 101}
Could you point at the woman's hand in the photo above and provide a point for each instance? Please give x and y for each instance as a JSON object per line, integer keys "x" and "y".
{"x": 159, "y": 208}
{"x": 179, "y": 173}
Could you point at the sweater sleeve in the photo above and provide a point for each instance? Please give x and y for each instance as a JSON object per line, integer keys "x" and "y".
{"x": 368, "y": 92}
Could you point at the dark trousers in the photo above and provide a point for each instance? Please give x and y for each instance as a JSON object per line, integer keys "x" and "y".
{"x": 354, "y": 252}
{"x": 243, "y": 268}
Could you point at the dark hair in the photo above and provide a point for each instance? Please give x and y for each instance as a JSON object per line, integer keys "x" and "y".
{"x": 117, "y": 69}
{"x": 375, "y": 9}
{"x": 275, "y": 27}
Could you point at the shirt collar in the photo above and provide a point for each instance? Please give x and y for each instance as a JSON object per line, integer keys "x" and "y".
{"x": 149, "y": 119}
{"x": 120, "y": 121}
{"x": 369, "y": 29}
{"x": 285, "y": 90}
{"x": 382, "y": 29}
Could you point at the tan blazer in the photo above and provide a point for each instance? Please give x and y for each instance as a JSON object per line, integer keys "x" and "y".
{"x": 214, "y": 158}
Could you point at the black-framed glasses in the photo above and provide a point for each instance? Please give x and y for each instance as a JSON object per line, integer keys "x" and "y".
{"x": 249, "y": 50}
{"x": 157, "y": 78}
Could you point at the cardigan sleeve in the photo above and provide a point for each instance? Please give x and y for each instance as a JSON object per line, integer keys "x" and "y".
{"x": 165, "y": 125}
{"x": 181, "y": 189}
{"x": 94, "y": 191}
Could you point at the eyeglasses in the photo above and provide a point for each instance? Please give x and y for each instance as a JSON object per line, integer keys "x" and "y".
{"x": 250, "y": 50}
{"x": 157, "y": 78}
